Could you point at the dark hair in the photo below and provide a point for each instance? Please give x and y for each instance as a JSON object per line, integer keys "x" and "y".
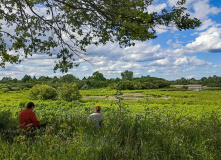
{"x": 30, "y": 105}
{"x": 97, "y": 109}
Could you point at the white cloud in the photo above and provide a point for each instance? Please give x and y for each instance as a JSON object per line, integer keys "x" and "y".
{"x": 197, "y": 62}
{"x": 161, "y": 62}
{"x": 169, "y": 42}
{"x": 206, "y": 24}
{"x": 172, "y": 2}
{"x": 180, "y": 61}
{"x": 191, "y": 76}
{"x": 190, "y": 69}
{"x": 207, "y": 41}
{"x": 84, "y": 68}
{"x": 142, "y": 51}
{"x": 217, "y": 66}
{"x": 188, "y": 2}
{"x": 151, "y": 71}
{"x": 156, "y": 8}
{"x": 203, "y": 9}
{"x": 161, "y": 29}
{"x": 176, "y": 45}
{"x": 200, "y": 9}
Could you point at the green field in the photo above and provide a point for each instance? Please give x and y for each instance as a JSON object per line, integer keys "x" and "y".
{"x": 167, "y": 124}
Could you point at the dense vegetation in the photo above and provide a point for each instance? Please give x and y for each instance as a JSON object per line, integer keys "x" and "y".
{"x": 168, "y": 124}
{"x": 97, "y": 80}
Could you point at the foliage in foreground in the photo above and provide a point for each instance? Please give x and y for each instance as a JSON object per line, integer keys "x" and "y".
{"x": 186, "y": 126}
{"x": 121, "y": 137}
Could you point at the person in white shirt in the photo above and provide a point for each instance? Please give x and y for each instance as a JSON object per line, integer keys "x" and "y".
{"x": 96, "y": 117}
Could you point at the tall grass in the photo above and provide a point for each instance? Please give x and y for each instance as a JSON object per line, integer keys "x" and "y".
{"x": 122, "y": 136}
{"x": 149, "y": 131}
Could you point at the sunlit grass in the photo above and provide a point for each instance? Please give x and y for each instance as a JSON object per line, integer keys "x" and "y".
{"x": 185, "y": 126}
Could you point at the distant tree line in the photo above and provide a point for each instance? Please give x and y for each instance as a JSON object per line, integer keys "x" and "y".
{"x": 97, "y": 80}
{"x": 213, "y": 81}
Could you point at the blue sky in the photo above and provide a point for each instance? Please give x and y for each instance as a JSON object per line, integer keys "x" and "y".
{"x": 174, "y": 54}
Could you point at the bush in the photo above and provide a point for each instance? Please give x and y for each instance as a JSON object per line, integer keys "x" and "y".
{"x": 42, "y": 91}
{"x": 68, "y": 92}
{"x": 5, "y": 117}
{"x": 126, "y": 85}
{"x": 4, "y": 90}
{"x": 84, "y": 87}
{"x": 113, "y": 86}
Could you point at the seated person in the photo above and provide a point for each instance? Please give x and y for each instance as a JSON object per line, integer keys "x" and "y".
{"x": 28, "y": 119}
{"x": 96, "y": 117}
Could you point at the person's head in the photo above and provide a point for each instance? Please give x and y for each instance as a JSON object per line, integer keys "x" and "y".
{"x": 97, "y": 109}
{"x": 31, "y": 105}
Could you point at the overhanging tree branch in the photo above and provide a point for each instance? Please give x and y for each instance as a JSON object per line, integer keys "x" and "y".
{"x": 76, "y": 24}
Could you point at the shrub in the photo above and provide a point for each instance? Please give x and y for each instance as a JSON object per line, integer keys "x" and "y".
{"x": 68, "y": 92}
{"x": 5, "y": 117}
{"x": 4, "y": 90}
{"x": 42, "y": 91}
{"x": 113, "y": 86}
{"x": 124, "y": 85}
{"x": 84, "y": 87}
{"x": 185, "y": 87}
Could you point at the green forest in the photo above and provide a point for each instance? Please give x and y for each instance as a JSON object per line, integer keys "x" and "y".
{"x": 97, "y": 80}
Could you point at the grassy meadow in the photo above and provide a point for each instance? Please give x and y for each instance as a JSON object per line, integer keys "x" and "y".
{"x": 165, "y": 124}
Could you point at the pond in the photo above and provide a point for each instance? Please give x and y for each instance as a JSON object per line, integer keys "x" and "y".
{"x": 125, "y": 96}
{"x": 203, "y": 88}
{"x": 195, "y": 88}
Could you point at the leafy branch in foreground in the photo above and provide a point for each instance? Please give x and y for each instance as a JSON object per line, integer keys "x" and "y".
{"x": 64, "y": 28}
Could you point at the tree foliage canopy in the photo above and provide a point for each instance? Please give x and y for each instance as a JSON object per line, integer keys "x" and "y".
{"x": 64, "y": 28}
{"x": 127, "y": 75}
{"x": 98, "y": 76}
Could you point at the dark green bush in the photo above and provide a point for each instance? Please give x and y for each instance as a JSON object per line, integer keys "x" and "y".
{"x": 5, "y": 119}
